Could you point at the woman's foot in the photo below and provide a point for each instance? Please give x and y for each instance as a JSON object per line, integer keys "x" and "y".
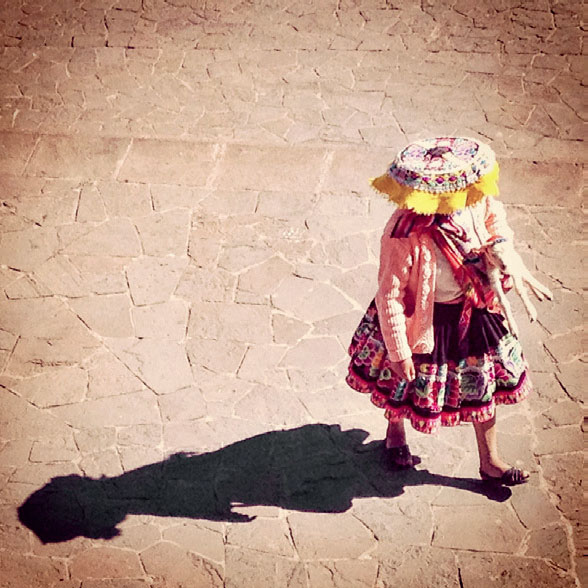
{"x": 398, "y": 458}
{"x": 492, "y": 468}
{"x": 397, "y": 455}
{"x": 502, "y": 473}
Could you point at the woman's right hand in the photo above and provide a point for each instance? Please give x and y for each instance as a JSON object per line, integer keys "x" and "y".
{"x": 404, "y": 369}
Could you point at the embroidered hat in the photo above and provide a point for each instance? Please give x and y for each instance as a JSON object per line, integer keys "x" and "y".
{"x": 440, "y": 175}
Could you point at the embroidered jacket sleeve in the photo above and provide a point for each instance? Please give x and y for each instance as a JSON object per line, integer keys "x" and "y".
{"x": 495, "y": 220}
{"x": 395, "y": 264}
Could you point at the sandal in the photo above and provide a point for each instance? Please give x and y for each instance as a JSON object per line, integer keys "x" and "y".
{"x": 512, "y": 477}
{"x": 399, "y": 458}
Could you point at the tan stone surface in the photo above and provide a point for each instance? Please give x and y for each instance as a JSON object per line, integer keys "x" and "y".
{"x": 153, "y": 279}
{"x": 60, "y": 157}
{"x": 169, "y": 561}
{"x": 106, "y": 562}
{"x": 188, "y": 240}
{"x": 198, "y": 539}
{"x": 161, "y": 365}
{"x": 456, "y": 528}
{"x": 320, "y": 536}
{"x": 168, "y": 162}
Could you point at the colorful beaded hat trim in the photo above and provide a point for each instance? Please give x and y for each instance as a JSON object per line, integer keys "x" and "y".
{"x": 440, "y": 175}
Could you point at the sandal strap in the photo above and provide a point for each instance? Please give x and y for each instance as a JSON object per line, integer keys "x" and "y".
{"x": 513, "y": 476}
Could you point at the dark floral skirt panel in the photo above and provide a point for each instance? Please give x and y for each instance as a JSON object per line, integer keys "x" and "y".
{"x": 454, "y": 383}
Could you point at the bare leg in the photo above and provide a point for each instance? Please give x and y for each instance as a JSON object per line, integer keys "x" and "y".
{"x": 395, "y": 435}
{"x": 490, "y": 462}
{"x": 396, "y": 438}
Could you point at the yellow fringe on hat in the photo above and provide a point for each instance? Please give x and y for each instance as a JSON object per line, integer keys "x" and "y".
{"x": 443, "y": 203}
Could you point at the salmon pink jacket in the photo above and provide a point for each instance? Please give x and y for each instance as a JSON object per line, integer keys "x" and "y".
{"x": 406, "y": 277}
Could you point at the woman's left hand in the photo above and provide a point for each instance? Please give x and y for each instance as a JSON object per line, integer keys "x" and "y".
{"x": 404, "y": 369}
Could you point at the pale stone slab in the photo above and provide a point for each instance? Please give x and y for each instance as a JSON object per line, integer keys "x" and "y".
{"x": 288, "y": 330}
{"x": 262, "y": 570}
{"x": 343, "y": 172}
{"x": 99, "y": 274}
{"x": 495, "y": 528}
{"x": 494, "y": 570}
{"x": 415, "y": 567}
{"x": 124, "y": 200}
{"x": 148, "y": 435}
{"x": 46, "y": 318}
{"x": 559, "y": 440}
{"x": 521, "y": 181}
{"x": 223, "y": 202}
{"x": 26, "y": 287}
{"x": 116, "y": 583}
{"x": 116, "y": 237}
{"x": 136, "y": 456}
{"x": 550, "y": 543}
{"x": 36, "y": 355}
{"x": 169, "y": 561}
{"x": 109, "y": 562}
{"x": 95, "y": 440}
{"x": 164, "y": 233}
{"x": 26, "y": 250}
{"x": 16, "y": 149}
{"x": 309, "y": 300}
{"x": 272, "y": 405}
{"x": 199, "y": 284}
{"x": 61, "y": 277}
{"x": 264, "y": 535}
{"x": 106, "y": 315}
{"x": 60, "y": 157}
{"x": 563, "y": 473}
{"x": 329, "y": 536}
{"x": 166, "y": 197}
{"x": 216, "y": 355}
{"x": 313, "y": 353}
{"x": 266, "y": 277}
{"x": 90, "y": 206}
{"x": 167, "y": 320}
{"x": 168, "y": 162}
{"x": 16, "y": 453}
{"x": 566, "y": 412}
{"x": 322, "y": 407}
{"x": 285, "y": 204}
{"x": 345, "y": 572}
{"x": 38, "y": 474}
{"x": 18, "y": 419}
{"x": 347, "y": 252}
{"x": 260, "y": 364}
{"x": 137, "y": 534}
{"x": 208, "y": 435}
{"x": 203, "y": 251}
{"x": 109, "y": 377}
{"x": 128, "y": 409}
{"x": 184, "y": 405}
{"x": 246, "y": 167}
{"x": 154, "y": 279}
{"x": 162, "y": 365}
{"x": 56, "y": 387}
{"x": 104, "y": 463}
{"x": 397, "y": 523}
{"x": 236, "y": 258}
{"x": 571, "y": 377}
{"x": 18, "y": 570}
{"x": 198, "y": 539}
{"x": 247, "y": 323}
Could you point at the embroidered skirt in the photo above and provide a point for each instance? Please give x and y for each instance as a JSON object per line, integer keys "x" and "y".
{"x": 453, "y": 383}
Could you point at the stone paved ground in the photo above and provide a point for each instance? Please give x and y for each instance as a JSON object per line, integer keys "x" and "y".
{"x": 187, "y": 243}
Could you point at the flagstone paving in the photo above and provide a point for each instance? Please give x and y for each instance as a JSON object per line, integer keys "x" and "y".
{"x": 187, "y": 243}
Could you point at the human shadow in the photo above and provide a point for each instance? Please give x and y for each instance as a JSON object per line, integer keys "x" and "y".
{"x": 313, "y": 468}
